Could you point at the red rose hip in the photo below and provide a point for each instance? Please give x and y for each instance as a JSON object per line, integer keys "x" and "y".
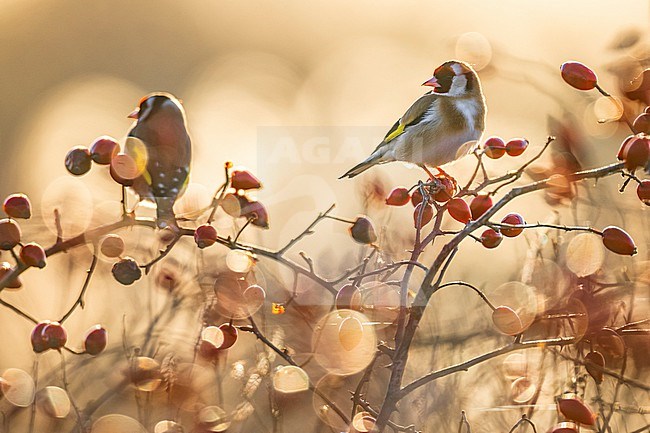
{"x": 513, "y": 219}
{"x": 17, "y": 206}
{"x": 618, "y": 241}
{"x": 643, "y": 191}
{"x": 95, "y": 340}
{"x": 54, "y": 335}
{"x": 427, "y": 214}
{"x": 363, "y": 231}
{"x": 78, "y": 160}
{"x": 9, "y": 234}
{"x": 205, "y": 235}
{"x": 479, "y": 205}
{"x": 642, "y": 124}
{"x": 495, "y": 148}
{"x": 459, "y": 210}
{"x": 103, "y": 149}
{"x": 399, "y": 196}
{"x": 491, "y": 238}
{"x": 32, "y": 254}
{"x": 578, "y": 76}
{"x": 126, "y": 271}
{"x": 244, "y": 179}
{"x": 516, "y": 146}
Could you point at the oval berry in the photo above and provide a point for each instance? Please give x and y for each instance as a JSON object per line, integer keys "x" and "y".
{"x": 637, "y": 153}
{"x": 205, "y": 235}
{"x": 574, "y": 409}
{"x": 622, "y": 151}
{"x": 416, "y": 197}
{"x": 491, "y": 238}
{"x": 95, "y": 340}
{"x": 427, "y": 214}
{"x": 17, "y": 206}
{"x": 32, "y": 254}
{"x": 495, "y": 148}
{"x": 78, "y": 160}
{"x": 578, "y": 76}
{"x": 459, "y": 210}
{"x": 516, "y": 146}
{"x": 641, "y": 124}
{"x": 618, "y": 241}
{"x": 39, "y": 344}
{"x": 257, "y": 211}
{"x": 126, "y": 271}
{"x": 54, "y": 335}
{"x": 643, "y": 191}
{"x": 123, "y": 169}
{"x": 513, "y": 219}
{"x": 103, "y": 149}
{"x": 244, "y": 179}
{"x": 9, "y": 234}
{"x": 594, "y": 360}
{"x": 363, "y": 230}
{"x": 399, "y": 196}
{"x": 479, "y": 205}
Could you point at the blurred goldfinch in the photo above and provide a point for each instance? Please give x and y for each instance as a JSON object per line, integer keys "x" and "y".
{"x": 160, "y": 142}
{"x": 440, "y": 127}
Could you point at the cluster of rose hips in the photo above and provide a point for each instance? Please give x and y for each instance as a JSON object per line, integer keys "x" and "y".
{"x": 237, "y": 204}
{"x": 102, "y": 151}
{"x": 443, "y": 190}
{"x": 614, "y": 238}
{"x": 48, "y": 335}
{"x": 495, "y": 147}
{"x": 18, "y": 206}
{"x": 635, "y": 149}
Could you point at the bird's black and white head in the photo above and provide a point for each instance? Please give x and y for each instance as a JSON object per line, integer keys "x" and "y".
{"x": 157, "y": 102}
{"x": 454, "y": 78}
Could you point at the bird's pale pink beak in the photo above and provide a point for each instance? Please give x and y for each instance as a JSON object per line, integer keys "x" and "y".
{"x": 134, "y": 114}
{"x": 432, "y": 82}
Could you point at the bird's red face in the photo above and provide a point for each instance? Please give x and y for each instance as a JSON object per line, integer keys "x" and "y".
{"x": 145, "y": 102}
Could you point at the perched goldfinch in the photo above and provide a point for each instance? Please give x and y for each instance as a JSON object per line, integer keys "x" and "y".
{"x": 440, "y": 127}
{"x": 159, "y": 139}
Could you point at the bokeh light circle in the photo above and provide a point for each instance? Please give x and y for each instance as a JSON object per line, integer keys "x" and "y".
{"x": 72, "y": 199}
{"x": 213, "y": 419}
{"x": 239, "y": 261}
{"x": 519, "y": 297}
{"x": 290, "y": 379}
{"x": 332, "y": 351}
{"x": 335, "y": 389}
{"x": 236, "y": 298}
{"x": 17, "y": 387}
{"x": 475, "y": 49}
{"x": 116, "y": 423}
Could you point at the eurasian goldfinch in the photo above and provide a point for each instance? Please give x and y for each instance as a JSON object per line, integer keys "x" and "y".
{"x": 160, "y": 143}
{"x": 440, "y": 127}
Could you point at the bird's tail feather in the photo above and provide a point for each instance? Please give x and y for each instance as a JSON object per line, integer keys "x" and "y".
{"x": 164, "y": 212}
{"x": 362, "y": 166}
